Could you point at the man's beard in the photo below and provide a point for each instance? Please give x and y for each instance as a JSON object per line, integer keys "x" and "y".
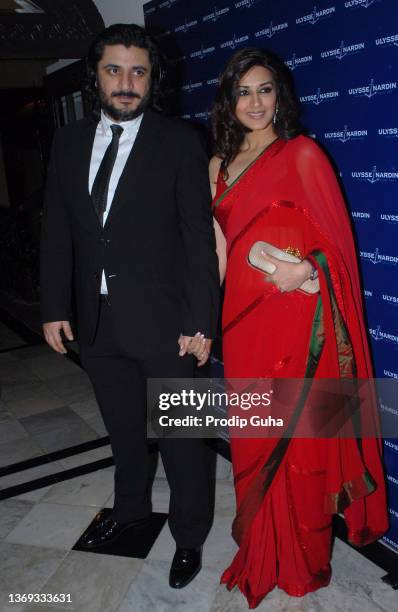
{"x": 120, "y": 114}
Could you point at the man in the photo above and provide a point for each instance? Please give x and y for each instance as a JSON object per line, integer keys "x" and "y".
{"x": 127, "y": 223}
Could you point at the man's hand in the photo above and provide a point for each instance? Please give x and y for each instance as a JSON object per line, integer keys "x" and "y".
{"x": 52, "y": 334}
{"x": 196, "y": 345}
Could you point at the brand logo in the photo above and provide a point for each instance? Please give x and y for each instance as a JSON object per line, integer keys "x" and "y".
{"x": 186, "y": 26}
{"x": 373, "y": 176}
{"x": 390, "y": 542}
{"x": 202, "y": 53}
{"x": 378, "y": 334}
{"x": 186, "y": 116}
{"x": 235, "y": 42}
{"x": 212, "y": 81}
{"x": 390, "y": 299}
{"x": 167, "y": 4}
{"x": 176, "y": 60}
{"x": 271, "y": 30}
{"x": 359, "y": 3}
{"x": 342, "y": 51}
{"x": 372, "y": 89}
{"x": 345, "y": 135}
{"x": 296, "y": 62}
{"x": 315, "y": 15}
{"x": 387, "y": 41}
{"x": 163, "y": 34}
{"x": 367, "y": 293}
{"x": 389, "y": 374}
{"x": 356, "y": 214}
{"x": 216, "y": 14}
{"x": 389, "y": 218}
{"x": 203, "y": 115}
{"x": 389, "y": 409}
{"x": 319, "y": 97}
{"x": 190, "y": 87}
{"x": 392, "y": 445}
{"x": 245, "y": 3}
{"x": 378, "y": 257}
{"x": 393, "y": 512}
{"x": 388, "y": 132}
{"x": 392, "y": 479}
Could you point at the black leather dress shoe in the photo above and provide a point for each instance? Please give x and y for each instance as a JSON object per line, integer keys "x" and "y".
{"x": 106, "y": 530}
{"x": 187, "y": 563}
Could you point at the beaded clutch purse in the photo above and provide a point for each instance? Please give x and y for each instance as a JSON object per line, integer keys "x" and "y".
{"x": 256, "y": 260}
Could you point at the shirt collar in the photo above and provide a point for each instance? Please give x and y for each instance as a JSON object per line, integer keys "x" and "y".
{"x": 130, "y": 128}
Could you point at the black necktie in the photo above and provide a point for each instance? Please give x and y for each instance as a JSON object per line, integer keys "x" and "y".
{"x": 99, "y": 191}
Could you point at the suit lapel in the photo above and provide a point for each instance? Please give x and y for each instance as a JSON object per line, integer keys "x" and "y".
{"x": 137, "y": 163}
{"x": 85, "y": 153}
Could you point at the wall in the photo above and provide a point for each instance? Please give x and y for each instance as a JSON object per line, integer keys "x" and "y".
{"x": 344, "y": 56}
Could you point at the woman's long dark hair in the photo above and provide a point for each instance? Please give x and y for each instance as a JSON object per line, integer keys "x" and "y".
{"x": 228, "y": 132}
{"x": 128, "y": 35}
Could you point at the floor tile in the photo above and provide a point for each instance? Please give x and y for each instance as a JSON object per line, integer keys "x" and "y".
{"x": 25, "y": 569}
{"x": 11, "y": 430}
{"x": 87, "y": 409}
{"x": 8, "y": 357}
{"x": 16, "y": 372}
{"x": 97, "y": 583}
{"x": 218, "y": 550}
{"x": 223, "y": 469}
{"x": 103, "y": 452}
{"x": 96, "y": 423}
{"x": 31, "y": 398}
{"x": 31, "y": 352}
{"x": 52, "y": 525}
{"x": 150, "y": 591}
{"x": 57, "y": 429}
{"x": 24, "y": 476}
{"x": 89, "y": 490}
{"x": 5, "y": 413}
{"x": 160, "y": 495}
{"x": 34, "y": 496}
{"x": 18, "y": 450}
{"x": 12, "y": 511}
{"x": 72, "y": 388}
{"x": 8, "y": 338}
{"x": 225, "y": 498}
{"x": 51, "y": 365}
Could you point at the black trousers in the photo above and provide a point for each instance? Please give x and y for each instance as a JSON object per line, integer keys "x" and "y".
{"x": 119, "y": 381}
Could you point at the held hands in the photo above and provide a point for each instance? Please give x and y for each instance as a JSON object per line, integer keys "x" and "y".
{"x": 196, "y": 345}
{"x": 52, "y": 334}
{"x": 287, "y": 276}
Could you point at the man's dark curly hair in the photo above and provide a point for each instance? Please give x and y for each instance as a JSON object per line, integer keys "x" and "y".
{"x": 228, "y": 132}
{"x": 128, "y": 35}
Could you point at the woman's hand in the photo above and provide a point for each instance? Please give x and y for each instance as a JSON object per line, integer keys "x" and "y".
{"x": 288, "y": 276}
{"x": 196, "y": 345}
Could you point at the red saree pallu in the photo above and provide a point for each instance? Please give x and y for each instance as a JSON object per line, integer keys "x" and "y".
{"x": 287, "y": 488}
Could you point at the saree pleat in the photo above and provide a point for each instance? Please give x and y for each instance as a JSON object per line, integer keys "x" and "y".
{"x": 288, "y": 488}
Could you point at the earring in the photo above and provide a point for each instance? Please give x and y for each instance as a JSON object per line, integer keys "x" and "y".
{"x": 275, "y": 114}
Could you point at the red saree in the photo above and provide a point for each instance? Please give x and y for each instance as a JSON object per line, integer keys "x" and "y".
{"x": 286, "y": 492}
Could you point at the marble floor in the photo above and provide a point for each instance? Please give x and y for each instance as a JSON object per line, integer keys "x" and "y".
{"x": 47, "y": 404}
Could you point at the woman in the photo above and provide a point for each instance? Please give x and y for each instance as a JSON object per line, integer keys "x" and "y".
{"x": 273, "y": 184}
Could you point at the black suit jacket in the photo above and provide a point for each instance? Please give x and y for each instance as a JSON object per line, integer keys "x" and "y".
{"x": 157, "y": 246}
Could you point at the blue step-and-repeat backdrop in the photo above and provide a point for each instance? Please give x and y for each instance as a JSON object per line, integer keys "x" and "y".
{"x": 344, "y": 57}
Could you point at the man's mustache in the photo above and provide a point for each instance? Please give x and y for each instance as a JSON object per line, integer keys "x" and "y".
{"x": 126, "y": 94}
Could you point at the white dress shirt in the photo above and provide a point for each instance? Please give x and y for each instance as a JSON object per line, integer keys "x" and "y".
{"x": 103, "y": 137}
